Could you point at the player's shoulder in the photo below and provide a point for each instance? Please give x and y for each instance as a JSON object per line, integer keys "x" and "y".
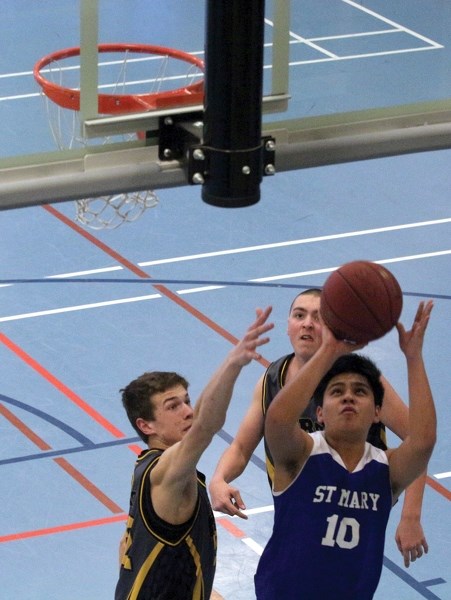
{"x": 375, "y": 453}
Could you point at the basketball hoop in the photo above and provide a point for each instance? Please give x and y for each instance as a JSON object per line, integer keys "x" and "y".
{"x": 141, "y": 78}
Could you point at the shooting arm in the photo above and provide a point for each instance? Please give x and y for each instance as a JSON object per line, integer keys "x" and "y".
{"x": 410, "y": 460}
{"x": 288, "y": 443}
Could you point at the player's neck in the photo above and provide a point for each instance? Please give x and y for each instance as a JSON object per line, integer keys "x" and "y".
{"x": 296, "y": 363}
{"x": 350, "y": 448}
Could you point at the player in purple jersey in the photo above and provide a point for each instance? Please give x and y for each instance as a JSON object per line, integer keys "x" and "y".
{"x": 304, "y": 332}
{"x": 332, "y": 489}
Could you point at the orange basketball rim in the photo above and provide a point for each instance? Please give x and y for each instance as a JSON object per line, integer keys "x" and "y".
{"x": 109, "y": 104}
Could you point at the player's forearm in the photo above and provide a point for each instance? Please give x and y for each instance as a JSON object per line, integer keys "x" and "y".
{"x": 230, "y": 466}
{"x": 413, "y": 499}
{"x": 422, "y": 416}
{"x": 294, "y": 397}
{"x": 211, "y": 408}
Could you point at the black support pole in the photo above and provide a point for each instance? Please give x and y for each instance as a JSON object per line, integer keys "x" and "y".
{"x": 233, "y": 102}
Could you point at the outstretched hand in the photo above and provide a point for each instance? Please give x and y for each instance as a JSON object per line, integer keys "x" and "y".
{"x": 411, "y": 342}
{"x": 246, "y": 349}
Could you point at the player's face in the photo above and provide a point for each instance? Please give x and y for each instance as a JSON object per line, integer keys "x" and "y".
{"x": 304, "y": 327}
{"x": 348, "y": 403}
{"x": 173, "y": 415}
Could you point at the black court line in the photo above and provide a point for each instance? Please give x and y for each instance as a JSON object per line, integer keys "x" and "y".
{"x": 195, "y": 282}
{"x": 64, "y": 451}
{"x": 47, "y": 417}
{"x": 418, "y": 586}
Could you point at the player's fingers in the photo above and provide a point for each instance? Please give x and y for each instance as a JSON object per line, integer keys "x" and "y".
{"x": 237, "y": 500}
{"x": 413, "y": 554}
{"x": 240, "y": 514}
{"x": 420, "y": 310}
{"x": 228, "y": 508}
{"x": 262, "y": 314}
{"x": 237, "y": 506}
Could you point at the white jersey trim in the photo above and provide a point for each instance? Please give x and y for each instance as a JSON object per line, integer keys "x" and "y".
{"x": 320, "y": 446}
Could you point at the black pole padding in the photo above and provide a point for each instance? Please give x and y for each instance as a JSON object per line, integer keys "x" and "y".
{"x": 233, "y": 102}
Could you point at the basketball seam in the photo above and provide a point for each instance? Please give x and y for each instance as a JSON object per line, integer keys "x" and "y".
{"x": 362, "y": 300}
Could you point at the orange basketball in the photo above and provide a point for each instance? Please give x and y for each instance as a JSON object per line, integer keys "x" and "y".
{"x": 361, "y": 301}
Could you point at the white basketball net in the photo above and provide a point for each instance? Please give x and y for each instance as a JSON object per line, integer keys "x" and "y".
{"x": 108, "y": 212}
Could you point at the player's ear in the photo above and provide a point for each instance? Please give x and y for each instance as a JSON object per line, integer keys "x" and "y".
{"x": 377, "y": 415}
{"x": 319, "y": 415}
{"x": 147, "y": 427}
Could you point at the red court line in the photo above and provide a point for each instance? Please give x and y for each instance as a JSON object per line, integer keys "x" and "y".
{"x": 61, "y": 462}
{"x": 13, "y": 537}
{"x": 20, "y": 425}
{"x": 438, "y": 488}
{"x": 95, "y": 523}
{"x": 137, "y": 271}
{"x": 172, "y": 296}
{"x": 31, "y": 362}
{"x": 88, "y": 485}
{"x": 231, "y": 528}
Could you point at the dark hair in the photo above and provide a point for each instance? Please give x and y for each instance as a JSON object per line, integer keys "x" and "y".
{"x": 352, "y": 363}
{"x": 309, "y": 292}
{"x": 137, "y": 395}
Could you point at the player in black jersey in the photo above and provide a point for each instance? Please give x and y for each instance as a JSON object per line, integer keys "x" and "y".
{"x": 304, "y": 332}
{"x": 169, "y": 549}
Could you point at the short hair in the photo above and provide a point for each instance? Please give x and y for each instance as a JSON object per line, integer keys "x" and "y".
{"x": 352, "y": 363}
{"x": 137, "y": 395}
{"x": 308, "y": 292}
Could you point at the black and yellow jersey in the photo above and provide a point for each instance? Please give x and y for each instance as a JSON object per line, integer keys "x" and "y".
{"x": 164, "y": 561}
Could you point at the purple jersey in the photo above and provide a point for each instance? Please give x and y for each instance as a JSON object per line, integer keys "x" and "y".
{"x": 329, "y": 529}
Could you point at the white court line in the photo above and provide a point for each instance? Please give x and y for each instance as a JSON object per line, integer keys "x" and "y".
{"x": 311, "y": 44}
{"x": 345, "y": 36}
{"x": 248, "y": 511}
{"x": 253, "y": 545}
{"x": 395, "y": 28}
{"x": 330, "y": 269}
{"x": 303, "y": 40}
{"x": 322, "y": 238}
{"x": 392, "y": 23}
{"x": 56, "y": 311}
{"x": 357, "y": 56}
{"x": 443, "y": 475}
{"x": 206, "y": 288}
{"x": 90, "y": 272}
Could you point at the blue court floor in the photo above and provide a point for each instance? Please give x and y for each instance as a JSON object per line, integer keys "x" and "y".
{"x": 83, "y": 312}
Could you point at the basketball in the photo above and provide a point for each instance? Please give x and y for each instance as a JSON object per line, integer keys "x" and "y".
{"x": 361, "y": 301}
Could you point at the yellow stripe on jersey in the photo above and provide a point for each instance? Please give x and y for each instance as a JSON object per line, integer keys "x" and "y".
{"x": 143, "y": 571}
{"x": 198, "y": 592}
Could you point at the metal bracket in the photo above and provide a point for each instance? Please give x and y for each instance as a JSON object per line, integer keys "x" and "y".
{"x": 177, "y": 133}
{"x": 180, "y": 138}
{"x": 198, "y": 157}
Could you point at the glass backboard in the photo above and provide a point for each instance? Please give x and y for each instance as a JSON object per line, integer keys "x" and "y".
{"x": 343, "y": 80}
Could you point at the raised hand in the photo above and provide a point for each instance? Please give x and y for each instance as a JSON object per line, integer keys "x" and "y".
{"x": 411, "y": 342}
{"x": 246, "y": 349}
